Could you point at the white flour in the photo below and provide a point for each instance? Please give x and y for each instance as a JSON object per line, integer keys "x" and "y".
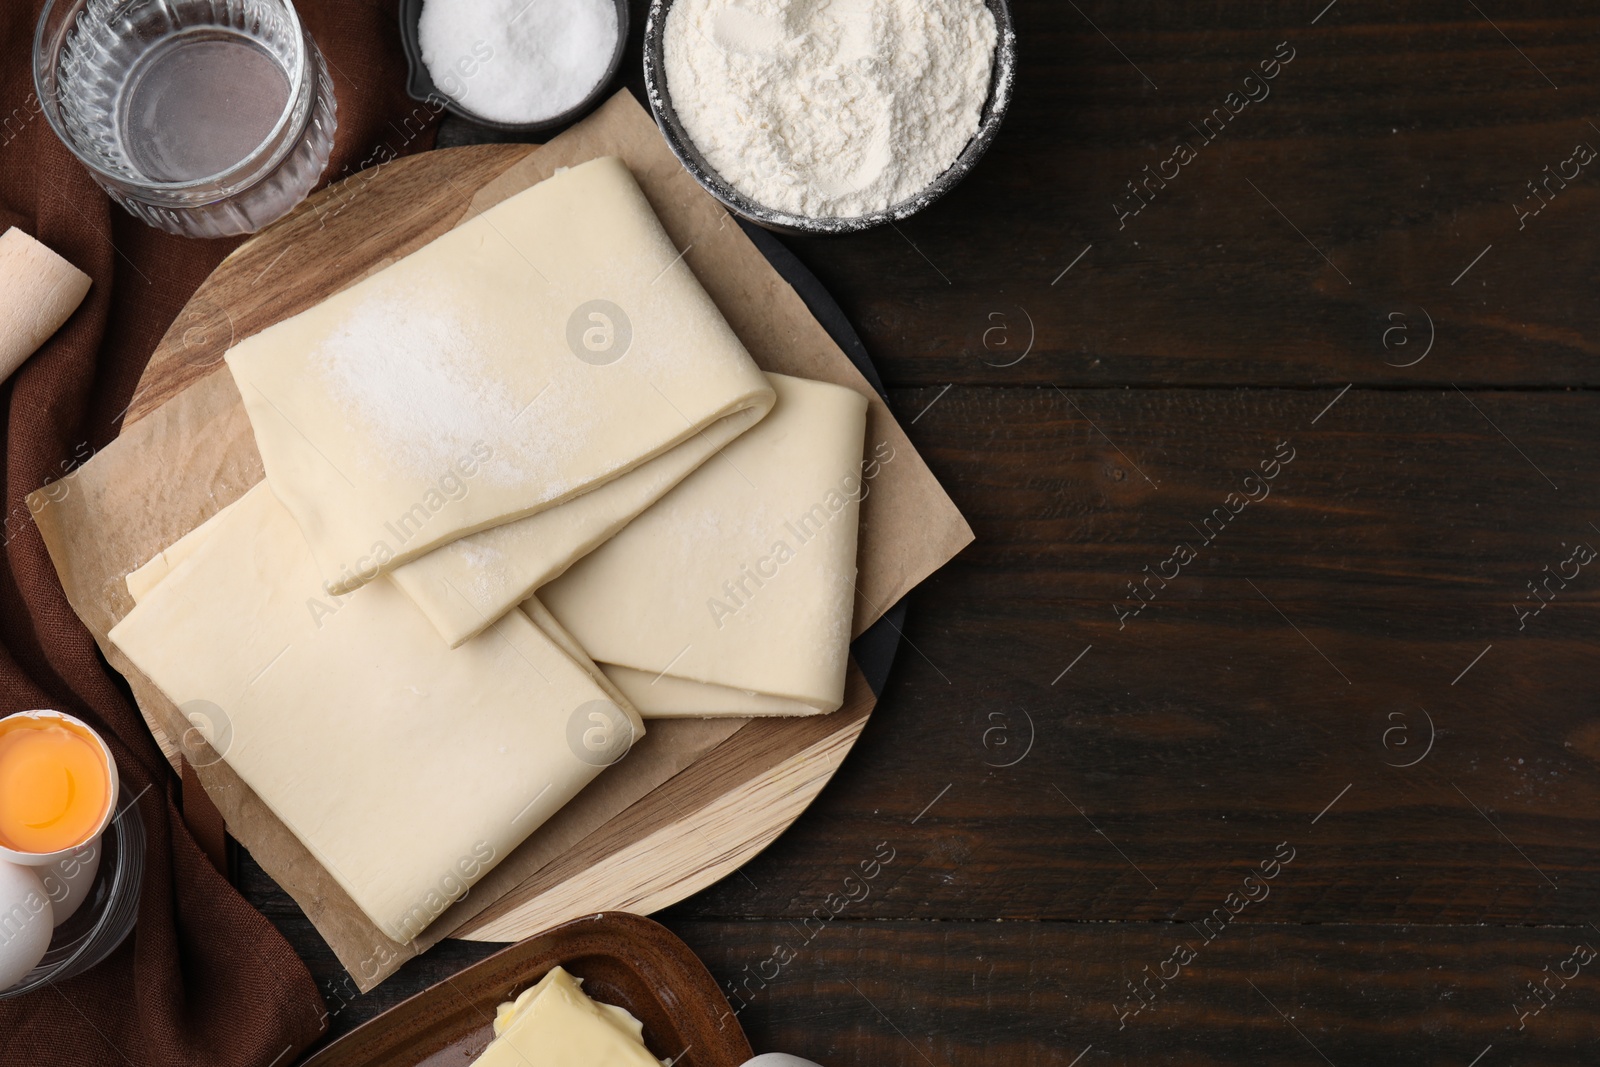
{"x": 829, "y": 108}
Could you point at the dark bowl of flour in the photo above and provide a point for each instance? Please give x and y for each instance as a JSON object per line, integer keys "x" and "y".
{"x": 480, "y": 59}
{"x": 842, "y": 168}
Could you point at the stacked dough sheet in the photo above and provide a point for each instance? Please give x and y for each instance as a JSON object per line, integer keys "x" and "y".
{"x": 524, "y": 490}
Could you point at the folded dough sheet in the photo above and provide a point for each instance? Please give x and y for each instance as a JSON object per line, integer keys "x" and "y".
{"x": 407, "y": 768}
{"x": 466, "y": 585}
{"x": 538, "y": 351}
{"x": 733, "y": 594}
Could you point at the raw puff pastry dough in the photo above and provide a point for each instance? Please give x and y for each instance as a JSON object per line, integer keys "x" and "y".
{"x": 408, "y": 769}
{"x": 468, "y": 384}
{"x": 464, "y": 586}
{"x": 733, "y": 595}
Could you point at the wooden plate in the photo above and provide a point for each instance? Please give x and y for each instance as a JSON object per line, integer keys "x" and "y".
{"x": 694, "y": 829}
{"x": 623, "y": 959}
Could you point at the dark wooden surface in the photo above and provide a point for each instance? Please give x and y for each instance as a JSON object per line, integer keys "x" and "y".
{"x": 1058, "y": 831}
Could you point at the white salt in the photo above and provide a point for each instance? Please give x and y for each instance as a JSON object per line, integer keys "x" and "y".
{"x": 517, "y": 60}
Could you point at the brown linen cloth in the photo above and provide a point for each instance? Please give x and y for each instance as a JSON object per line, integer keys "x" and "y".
{"x": 204, "y": 979}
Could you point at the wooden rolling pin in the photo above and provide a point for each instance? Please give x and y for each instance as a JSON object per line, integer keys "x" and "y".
{"x": 38, "y": 292}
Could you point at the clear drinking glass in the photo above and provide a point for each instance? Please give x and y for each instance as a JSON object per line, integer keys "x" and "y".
{"x": 201, "y": 117}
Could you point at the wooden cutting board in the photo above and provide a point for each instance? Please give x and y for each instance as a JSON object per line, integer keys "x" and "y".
{"x": 689, "y": 832}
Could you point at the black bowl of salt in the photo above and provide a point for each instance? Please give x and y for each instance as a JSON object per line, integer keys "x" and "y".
{"x": 518, "y": 66}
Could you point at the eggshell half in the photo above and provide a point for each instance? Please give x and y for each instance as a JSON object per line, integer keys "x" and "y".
{"x": 26, "y": 921}
{"x": 66, "y": 881}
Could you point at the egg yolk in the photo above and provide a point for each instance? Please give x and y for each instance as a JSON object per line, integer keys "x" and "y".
{"x": 54, "y": 786}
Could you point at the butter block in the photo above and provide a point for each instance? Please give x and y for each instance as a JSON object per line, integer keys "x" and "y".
{"x": 555, "y": 1024}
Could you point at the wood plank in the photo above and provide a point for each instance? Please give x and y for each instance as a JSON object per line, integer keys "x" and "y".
{"x": 1217, "y": 721}
{"x": 1035, "y": 994}
{"x": 967, "y": 992}
{"x": 1393, "y": 497}
{"x": 1390, "y": 152}
{"x": 1162, "y": 768}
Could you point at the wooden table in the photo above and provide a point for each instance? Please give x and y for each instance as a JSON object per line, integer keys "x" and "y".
{"x": 1089, "y": 791}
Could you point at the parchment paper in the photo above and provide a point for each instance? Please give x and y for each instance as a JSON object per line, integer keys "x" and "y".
{"x": 195, "y": 455}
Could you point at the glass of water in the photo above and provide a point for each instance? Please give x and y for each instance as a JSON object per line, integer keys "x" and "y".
{"x": 201, "y": 117}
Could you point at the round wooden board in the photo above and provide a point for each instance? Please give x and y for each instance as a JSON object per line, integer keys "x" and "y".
{"x": 689, "y": 832}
